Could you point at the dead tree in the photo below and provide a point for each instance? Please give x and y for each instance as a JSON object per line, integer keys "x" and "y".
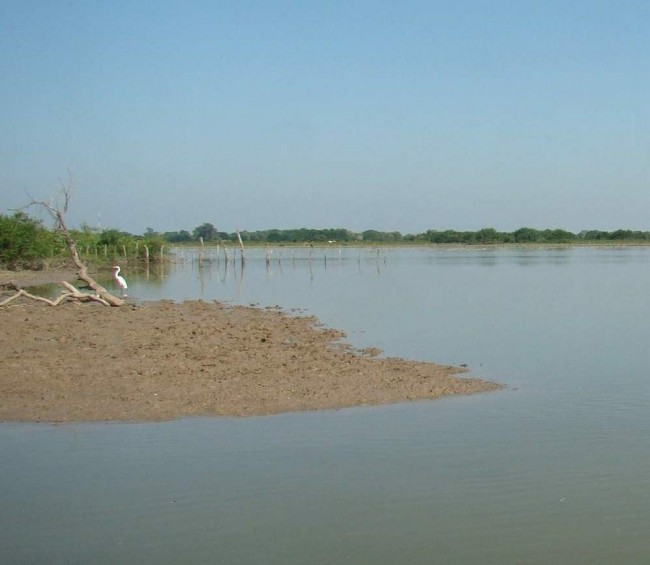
{"x": 57, "y": 213}
{"x": 73, "y": 293}
{"x": 241, "y": 247}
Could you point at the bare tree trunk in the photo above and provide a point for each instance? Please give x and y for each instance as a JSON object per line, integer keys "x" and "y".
{"x": 58, "y": 215}
{"x": 268, "y": 254}
{"x": 241, "y": 247}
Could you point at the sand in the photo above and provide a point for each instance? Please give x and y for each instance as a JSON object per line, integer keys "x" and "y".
{"x": 165, "y": 360}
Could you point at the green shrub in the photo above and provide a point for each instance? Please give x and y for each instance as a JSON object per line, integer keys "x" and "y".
{"x": 25, "y": 243}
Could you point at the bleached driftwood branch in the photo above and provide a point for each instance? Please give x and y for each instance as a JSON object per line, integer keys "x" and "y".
{"x": 241, "y": 247}
{"x": 72, "y": 294}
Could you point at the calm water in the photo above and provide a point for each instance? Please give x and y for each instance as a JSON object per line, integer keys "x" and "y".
{"x": 554, "y": 469}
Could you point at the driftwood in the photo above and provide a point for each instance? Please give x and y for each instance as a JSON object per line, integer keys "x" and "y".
{"x": 58, "y": 215}
{"x": 71, "y": 294}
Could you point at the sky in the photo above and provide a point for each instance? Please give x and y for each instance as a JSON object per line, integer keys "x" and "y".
{"x": 395, "y": 116}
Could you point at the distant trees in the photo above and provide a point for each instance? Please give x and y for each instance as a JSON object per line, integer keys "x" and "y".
{"x": 112, "y": 238}
{"x": 206, "y": 231}
{"x": 491, "y": 236}
{"x": 296, "y": 235}
{"x": 530, "y": 235}
{"x": 484, "y": 236}
{"x": 525, "y": 235}
{"x": 26, "y": 243}
{"x": 86, "y": 236}
{"x": 177, "y": 236}
{"x": 488, "y": 235}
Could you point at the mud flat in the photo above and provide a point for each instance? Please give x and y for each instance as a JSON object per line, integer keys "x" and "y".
{"x": 165, "y": 360}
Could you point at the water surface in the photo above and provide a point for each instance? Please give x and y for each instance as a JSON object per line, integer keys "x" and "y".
{"x": 552, "y": 469}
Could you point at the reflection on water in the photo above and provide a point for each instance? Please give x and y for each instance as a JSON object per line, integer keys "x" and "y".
{"x": 551, "y": 470}
{"x": 138, "y": 272}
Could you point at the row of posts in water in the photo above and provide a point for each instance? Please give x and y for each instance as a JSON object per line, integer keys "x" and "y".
{"x": 230, "y": 255}
{"x": 234, "y": 255}
{"x": 137, "y": 254}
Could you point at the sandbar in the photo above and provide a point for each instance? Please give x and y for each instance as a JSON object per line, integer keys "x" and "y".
{"x": 165, "y": 360}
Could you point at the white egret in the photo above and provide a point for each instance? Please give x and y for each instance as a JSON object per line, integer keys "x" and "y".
{"x": 119, "y": 280}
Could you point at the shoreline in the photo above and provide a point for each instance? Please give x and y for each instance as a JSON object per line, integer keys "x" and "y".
{"x": 165, "y": 360}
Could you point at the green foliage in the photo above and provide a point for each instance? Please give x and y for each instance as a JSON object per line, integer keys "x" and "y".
{"x": 558, "y": 236}
{"x": 177, "y": 236}
{"x": 488, "y": 235}
{"x": 25, "y": 243}
{"x": 593, "y": 235}
{"x": 484, "y": 236}
{"x": 114, "y": 238}
{"x": 111, "y": 244}
{"x": 206, "y": 231}
{"x": 154, "y": 241}
{"x": 86, "y": 236}
{"x": 526, "y": 235}
{"x": 491, "y": 236}
{"x": 297, "y": 236}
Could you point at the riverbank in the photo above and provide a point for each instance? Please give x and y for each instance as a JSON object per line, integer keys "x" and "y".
{"x": 27, "y": 278}
{"x": 165, "y": 360}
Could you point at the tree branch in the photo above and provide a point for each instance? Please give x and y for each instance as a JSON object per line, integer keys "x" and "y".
{"x": 58, "y": 216}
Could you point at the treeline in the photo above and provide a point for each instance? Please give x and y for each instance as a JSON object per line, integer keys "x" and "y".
{"x": 26, "y": 243}
{"x": 209, "y": 234}
{"x": 531, "y": 235}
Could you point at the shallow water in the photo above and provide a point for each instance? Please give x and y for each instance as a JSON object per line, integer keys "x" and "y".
{"x": 552, "y": 469}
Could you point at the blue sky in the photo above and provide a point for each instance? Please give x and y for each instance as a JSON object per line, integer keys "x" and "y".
{"x": 367, "y": 115}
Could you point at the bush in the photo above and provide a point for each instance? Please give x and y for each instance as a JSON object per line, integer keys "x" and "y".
{"x": 25, "y": 243}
